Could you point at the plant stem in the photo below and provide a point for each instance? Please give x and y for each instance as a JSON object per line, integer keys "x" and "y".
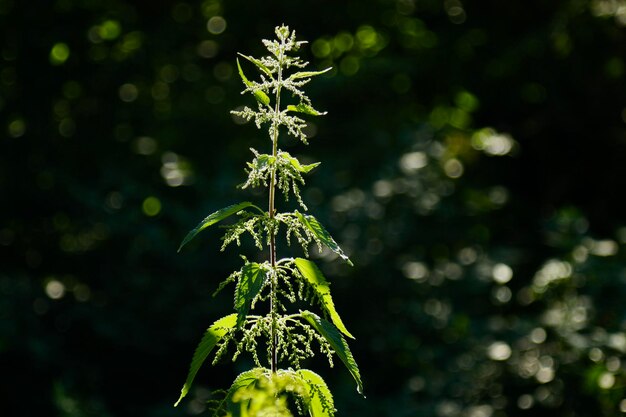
{"x": 272, "y": 210}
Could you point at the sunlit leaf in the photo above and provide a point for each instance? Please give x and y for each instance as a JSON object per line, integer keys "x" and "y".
{"x": 322, "y": 234}
{"x": 262, "y": 162}
{"x": 321, "y": 400}
{"x": 337, "y": 342}
{"x": 297, "y": 165}
{"x": 243, "y": 381}
{"x": 316, "y": 279}
{"x": 248, "y": 287}
{"x": 214, "y": 218}
{"x": 256, "y": 62}
{"x": 306, "y": 109}
{"x": 258, "y": 94}
{"x": 308, "y": 74}
{"x": 211, "y": 337}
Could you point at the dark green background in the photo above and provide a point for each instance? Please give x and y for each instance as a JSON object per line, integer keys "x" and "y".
{"x": 99, "y": 315}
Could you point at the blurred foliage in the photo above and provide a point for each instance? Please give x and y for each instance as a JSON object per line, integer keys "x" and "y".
{"x": 480, "y": 199}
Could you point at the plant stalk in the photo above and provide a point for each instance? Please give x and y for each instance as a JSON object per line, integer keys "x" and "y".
{"x": 272, "y": 210}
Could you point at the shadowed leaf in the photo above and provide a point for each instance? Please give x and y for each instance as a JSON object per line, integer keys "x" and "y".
{"x": 322, "y": 234}
{"x": 316, "y": 279}
{"x": 321, "y": 400}
{"x": 258, "y": 94}
{"x": 212, "y": 336}
{"x": 337, "y": 342}
{"x": 214, "y": 218}
{"x": 248, "y": 287}
{"x": 258, "y": 63}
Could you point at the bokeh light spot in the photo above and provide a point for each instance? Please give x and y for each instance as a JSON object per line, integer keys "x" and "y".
{"x": 321, "y": 48}
{"x": 16, "y": 128}
{"x": 605, "y": 247}
{"x": 55, "y": 289}
{"x": 82, "y": 292}
{"x": 466, "y": 101}
{"x": 538, "y": 335}
{"x": 151, "y": 206}
{"x": 412, "y": 162}
{"x": 72, "y": 90}
{"x": 606, "y": 380}
{"x": 223, "y": 71}
{"x": 145, "y": 145}
{"x": 128, "y": 92}
{"x": 525, "y": 401}
{"x": 492, "y": 143}
{"x": 415, "y": 270}
{"x": 453, "y": 168}
{"x": 59, "y": 53}
{"x": 207, "y": 49}
{"x": 216, "y": 25}
{"x": 502, "y": 273}
{"x": 110, "y": 30}
{"x": 499, "y": 351}
{"x": 343, "y": 41}
{"x": 349, "y": 65}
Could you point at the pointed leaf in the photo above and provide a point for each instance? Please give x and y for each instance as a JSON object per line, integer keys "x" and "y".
{"x": 308, "y": 74}
{"x": 296, "y": 164}
{"x": 263, "y": 161}
{"x": 211, "y": 337}
{"x": 337, "y": 342}
{"x": 322, "y": 234}
{"x": 306, "y": 109}
{"x": 248, "y": 287}
{"x": 321, "y": 401}
{"x": 258, "y": 63}
{"x": 214, "y": 218}
{"x": 316, "y": 279}
{"x": 258, "y": 94}
{"x": 243, "y": 381}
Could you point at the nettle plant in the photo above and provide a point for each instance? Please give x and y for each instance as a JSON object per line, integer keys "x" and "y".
{"x": 276, "y": 338}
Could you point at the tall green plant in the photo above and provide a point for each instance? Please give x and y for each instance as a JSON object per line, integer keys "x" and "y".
{"x": 268, "y": 389}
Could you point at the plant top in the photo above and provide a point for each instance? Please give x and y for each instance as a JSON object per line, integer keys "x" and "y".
{"x": 277, "y": 337}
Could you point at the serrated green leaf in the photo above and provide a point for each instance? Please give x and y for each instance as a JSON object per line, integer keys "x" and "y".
{"x": 306, "y": 109}
{"x": 258, "y": 63}
{"x": 296, "y": 164}
{"x": 316, "y": 279}
{"x": 258, "y": 94}
{"x": 211, "y": 337}
{"x": 263, "y": 161}
{"x": 244, "y": 380}
{"x": 337, "y": 342}
{"x": 321, "y": 400}
{"x": 248, "y": 287}
{"x": 322, "y": 234}
{"x": 308, "y": 74}
{"x": 214, "y": 218}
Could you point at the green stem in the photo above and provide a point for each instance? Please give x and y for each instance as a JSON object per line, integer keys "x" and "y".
{"x": 272, "y": 210}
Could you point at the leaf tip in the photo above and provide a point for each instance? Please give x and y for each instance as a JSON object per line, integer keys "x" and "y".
{"x": 183, "y": 392}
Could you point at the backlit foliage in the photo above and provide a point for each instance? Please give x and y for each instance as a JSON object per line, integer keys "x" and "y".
{"x": 288, "y": 338}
